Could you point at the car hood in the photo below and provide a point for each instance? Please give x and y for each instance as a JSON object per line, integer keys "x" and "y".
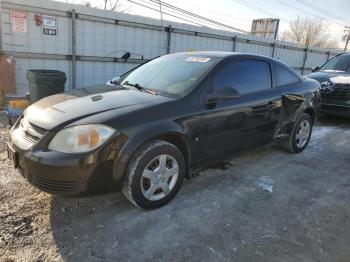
{"x": 326, "y": 75}
{"x": 65, "y": 108}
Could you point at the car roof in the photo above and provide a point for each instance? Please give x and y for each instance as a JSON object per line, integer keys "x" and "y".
{"x": 207, "y": 53}
{"x": 223, "y": 55}
{"x": 344, "y": 54}
{"x": 220, "y": 54}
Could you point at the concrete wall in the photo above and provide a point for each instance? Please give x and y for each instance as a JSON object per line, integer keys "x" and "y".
{"x": 103, "y": 36}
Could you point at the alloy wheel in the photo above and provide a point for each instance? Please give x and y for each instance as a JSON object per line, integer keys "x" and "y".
{"x": 159, "y": 177}
{"x": 303, "y": 133}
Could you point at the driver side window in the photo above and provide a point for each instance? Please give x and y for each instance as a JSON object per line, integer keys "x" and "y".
{"x": 245, "y": 76}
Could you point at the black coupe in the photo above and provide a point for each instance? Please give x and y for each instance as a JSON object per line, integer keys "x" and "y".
{"x": 157, "y": 124}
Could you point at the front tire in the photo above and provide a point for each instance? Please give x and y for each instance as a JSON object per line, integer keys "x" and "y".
{"x": 301, "y": 133}
{"x": 154, "y": 175}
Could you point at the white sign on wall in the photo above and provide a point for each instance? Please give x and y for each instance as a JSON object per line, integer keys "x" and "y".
{"x": 49, "y": 25}
{"x": 19, "y": 21}
{"x": 265, "y": 27}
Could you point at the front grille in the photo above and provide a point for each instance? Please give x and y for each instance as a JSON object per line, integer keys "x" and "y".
{"x": 55, "y": 186}
{"x": 32, "y": 133}
{"x": 338, "y": 91}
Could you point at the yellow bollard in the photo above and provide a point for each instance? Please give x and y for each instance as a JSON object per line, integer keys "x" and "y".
{"x": 23, "y": 103}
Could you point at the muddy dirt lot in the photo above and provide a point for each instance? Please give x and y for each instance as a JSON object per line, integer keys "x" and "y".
{"x": 222, "y": 215}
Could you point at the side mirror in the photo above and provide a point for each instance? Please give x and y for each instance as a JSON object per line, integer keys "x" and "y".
{"x": 314, "y": 69}
{"x": 113, "y": 81}
{"x": 223, "y": 93}
{"x": 126, "y": 56}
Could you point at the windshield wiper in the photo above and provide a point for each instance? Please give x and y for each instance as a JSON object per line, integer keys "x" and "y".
{"x": 141, "y": 88}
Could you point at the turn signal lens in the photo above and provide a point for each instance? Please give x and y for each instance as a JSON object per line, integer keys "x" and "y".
{"x": 79, "y": 139}
{"x": 94, "y": 138}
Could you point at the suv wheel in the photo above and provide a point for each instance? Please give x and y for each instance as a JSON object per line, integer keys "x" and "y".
{"x": 154, "y": 175}
{"x": 301, "y": 133}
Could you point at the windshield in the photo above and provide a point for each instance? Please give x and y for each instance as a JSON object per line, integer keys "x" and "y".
{"x": 339, "y": 63}
{"x": 170, "y": 74}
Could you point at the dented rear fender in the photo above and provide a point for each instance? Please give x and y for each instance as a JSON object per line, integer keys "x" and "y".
{"x": 293, "y": 105}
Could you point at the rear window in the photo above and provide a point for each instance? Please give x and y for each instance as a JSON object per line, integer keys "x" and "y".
{"x": 285, "y": 77}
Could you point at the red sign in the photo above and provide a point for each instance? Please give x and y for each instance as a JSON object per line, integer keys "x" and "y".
{"x": 38, "y": 20}
{"x": 19, "y": 21}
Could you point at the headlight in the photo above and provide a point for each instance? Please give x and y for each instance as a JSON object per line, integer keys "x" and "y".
{"x": 326, "y": 86}
{"x": 79, "y": 139}
{"x": 325, "y": 83}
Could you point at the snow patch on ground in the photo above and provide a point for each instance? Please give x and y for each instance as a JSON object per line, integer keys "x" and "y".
{"x": 320, "y": 132}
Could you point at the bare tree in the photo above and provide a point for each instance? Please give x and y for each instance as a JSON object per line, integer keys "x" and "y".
{"x": 86, "y": 3}
{"x": 309, "y": 32}
{"x": 113, "y": 5}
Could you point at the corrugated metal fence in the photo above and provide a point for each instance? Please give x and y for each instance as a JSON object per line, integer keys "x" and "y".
{"x": 88, "y": 42}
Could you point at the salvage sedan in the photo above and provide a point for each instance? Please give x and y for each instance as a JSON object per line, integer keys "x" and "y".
{"x": 334, "y": 77}
{"x": 160, "y": 123}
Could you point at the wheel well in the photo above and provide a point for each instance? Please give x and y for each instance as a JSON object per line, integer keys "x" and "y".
{"x": 178, "y": 141}
{"x": 311, "y": 112}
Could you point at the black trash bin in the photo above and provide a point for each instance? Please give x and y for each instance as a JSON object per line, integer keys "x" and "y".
{"x": 44, "y": 83}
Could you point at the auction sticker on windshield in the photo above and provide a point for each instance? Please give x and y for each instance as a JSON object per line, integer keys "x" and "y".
{"x": 198, "y": 59}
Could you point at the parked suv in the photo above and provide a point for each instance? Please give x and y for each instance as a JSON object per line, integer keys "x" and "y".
{"x": 334, "y": 77}
{"x": 161, "y": 122}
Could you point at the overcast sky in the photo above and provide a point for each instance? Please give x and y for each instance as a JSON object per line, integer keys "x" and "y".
{"x": 236, "y": 12}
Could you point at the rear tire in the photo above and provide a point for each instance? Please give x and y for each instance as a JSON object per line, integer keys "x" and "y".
{"x": 301, "y": 133}
{"x": 154, "y": 175}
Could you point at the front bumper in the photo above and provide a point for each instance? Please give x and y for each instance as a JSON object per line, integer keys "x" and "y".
{"x": 66, "y": 174}
{"x": 336, "y": 100}
{"x": 335, "y": 109}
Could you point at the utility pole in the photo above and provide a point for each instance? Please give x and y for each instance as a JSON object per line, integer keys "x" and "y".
{"x": 347, "y": 37}
{"x": 163, "y": 29}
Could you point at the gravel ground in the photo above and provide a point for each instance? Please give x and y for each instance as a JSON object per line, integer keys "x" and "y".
{"x": 222, "y": 215}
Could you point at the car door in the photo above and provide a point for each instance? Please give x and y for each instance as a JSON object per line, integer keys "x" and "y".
{"x": 243, "y": 122}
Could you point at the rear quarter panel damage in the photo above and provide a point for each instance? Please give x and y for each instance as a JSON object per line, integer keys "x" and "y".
{"x": 293, "y": 105}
